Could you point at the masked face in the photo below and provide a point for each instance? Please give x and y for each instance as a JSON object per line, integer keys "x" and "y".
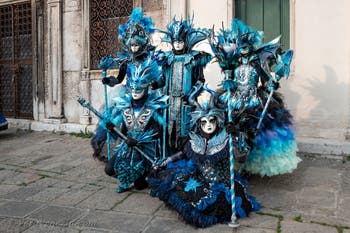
{"x": 134, "y": 48}
{"x": 179, "y": 45}
{"x": 208, "y": 125}
{"x": 137, "y": 93}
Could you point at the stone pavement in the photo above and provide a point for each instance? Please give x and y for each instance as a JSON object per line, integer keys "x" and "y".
{"x": 50, "y": 183}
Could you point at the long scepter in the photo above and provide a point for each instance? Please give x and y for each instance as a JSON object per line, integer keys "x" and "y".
{"x": 233, "y": 222}
{"x": 106, "y": 63}
{"x": 114, "y": 132}
{"x": 104, "y": 75}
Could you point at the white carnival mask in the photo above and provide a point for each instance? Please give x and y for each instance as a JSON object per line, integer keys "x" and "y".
{"x": 135, "y": 48}
{"x": 137, "y": 93}
{"x": 208, "y": 125}
{"x": 179, "y": 45}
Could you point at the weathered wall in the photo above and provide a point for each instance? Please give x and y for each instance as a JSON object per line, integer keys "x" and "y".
{"x": 72, "y": 57}
{"x": 318, "y": 91}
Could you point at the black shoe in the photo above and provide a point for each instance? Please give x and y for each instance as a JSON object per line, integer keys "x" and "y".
{"x": 140, "y": 183}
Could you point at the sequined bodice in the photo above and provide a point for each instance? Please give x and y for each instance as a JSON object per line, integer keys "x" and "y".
{"x": 246, "y": 77}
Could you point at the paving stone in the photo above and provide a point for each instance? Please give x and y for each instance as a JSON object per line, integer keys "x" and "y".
{"x": 243, "y": 229}
{"x": 118, "y": 222}
{"x": 8, "y": 188}
{"x": 287, "y": 182}
{"x": 320, "y": 196}
{"x": 57, "y": 215}
{"x": 22, "y": 178}
{"x": 344, "y": 208}
{"x": 346, "y": 181}
{"x": 42, "y": 228}
{"x": 259, "y": 221}
{"x": 104, "y": 199}
{"x": 139, "y": 203}
{"x": 22, "y": 193}
{"x": 7, "y": 174}
{"x": 321, "y": 176}
{"x": 166, "y": 212}
{"x": 293, "y": 227}
{"x": 48, "y": 194}
{"x": 275, "y": 198}
{"x": 11, "y": 225}
{"x": 160, "y": 225}
{"x": 94, "y": 231}
{"x": 18, "y": 209}
{"x": 44, "y": 182}
{"x": 72, "y": 197}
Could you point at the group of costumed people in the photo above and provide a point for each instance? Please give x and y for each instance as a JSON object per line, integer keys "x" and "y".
{"x": 194, "y": 155}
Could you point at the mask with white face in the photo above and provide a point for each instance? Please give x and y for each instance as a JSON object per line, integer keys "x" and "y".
{"x": 137, "y": 93}
{"x": 208, "y": 125}
{"x": 178, "y": 45}
{"x": 134, "y": 48}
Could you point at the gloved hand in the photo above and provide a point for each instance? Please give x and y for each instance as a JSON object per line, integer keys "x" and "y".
{"x": 109, "y": 125}
{"x": 161, "y": 164}
{"x": 106, "y": 80}
{"x": 154, "y": 85}
{"x": 131, "y": 142}
{"x": 230, "y": 127}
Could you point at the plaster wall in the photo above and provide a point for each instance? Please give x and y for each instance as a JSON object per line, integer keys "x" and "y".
{"x": 318, "y": 91}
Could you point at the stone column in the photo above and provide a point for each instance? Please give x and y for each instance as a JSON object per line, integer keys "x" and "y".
{"x": 55, "y": 65}
{"x": 84, "y": 86}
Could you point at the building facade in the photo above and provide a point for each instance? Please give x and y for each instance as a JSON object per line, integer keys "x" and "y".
{"x": 49, "y": 51}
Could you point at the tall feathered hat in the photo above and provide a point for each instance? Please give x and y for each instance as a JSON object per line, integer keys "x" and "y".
{"x": 224, "y": 46}
{"x": 183, "y": 30}
{"x": 140, "y": 77}
{"x": 246, "y": 36}
{"x": 206, "y": 109}
{"x": 138, "y": 28}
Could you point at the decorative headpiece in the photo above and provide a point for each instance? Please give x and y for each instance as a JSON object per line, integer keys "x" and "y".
{"x": 137, "y": 29}
{"x": 182, "y": 30}
{"x": 140, "y": 77}
{"x": 224, "y": 47}
{"x": 206, "y": 109}
{"x": 246, "y": 36}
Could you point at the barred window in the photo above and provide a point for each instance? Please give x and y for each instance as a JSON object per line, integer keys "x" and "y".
{"x": 105, "y": 17}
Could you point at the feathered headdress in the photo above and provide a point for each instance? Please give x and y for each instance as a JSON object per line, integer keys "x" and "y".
{"x": 182, "y": 30}
{"x": 137, "y": 28}
{"x": 246, "y": 36}
{"x": 224, "y": 46}
{"x": 142, "y": 76}
{"x": 206, "y": 109}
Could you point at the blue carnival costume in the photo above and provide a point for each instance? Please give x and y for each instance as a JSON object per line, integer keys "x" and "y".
{"x": 134, "y": 37}
{"x": 270, "y": 148}
{"x": 198, "y": 185}
{"x": 183, "y": 68}
{"x": 139, "y": 116}
{"x": 3, "y": 122}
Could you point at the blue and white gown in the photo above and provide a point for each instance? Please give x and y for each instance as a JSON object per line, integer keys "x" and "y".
{"x": 198, "y": 185}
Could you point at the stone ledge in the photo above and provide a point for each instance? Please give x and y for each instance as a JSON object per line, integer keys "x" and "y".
{"x": 326, "y": 147}
{"x": 335, "y": 149}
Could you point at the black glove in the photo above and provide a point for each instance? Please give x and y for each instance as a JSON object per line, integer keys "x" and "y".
{"x": 106, "y": 80}
{"x": 230, "y": 127}
{"x": 109, "y": 125}
{"x": 161, "y": 164}
{"x": 154, "y": 85}
{"x": 131, "y": 142}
